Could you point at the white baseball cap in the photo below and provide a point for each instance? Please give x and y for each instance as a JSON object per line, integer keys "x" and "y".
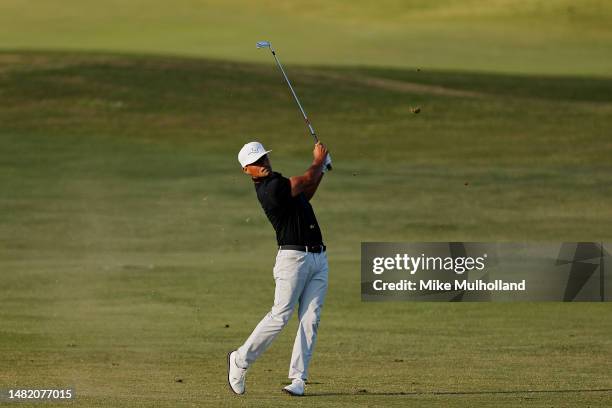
{"x": 251, "y": 152}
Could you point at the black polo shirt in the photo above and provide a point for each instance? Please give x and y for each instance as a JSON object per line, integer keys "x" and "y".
{"x": 292, "y": 217}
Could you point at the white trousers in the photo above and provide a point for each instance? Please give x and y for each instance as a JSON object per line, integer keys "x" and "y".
{"x": 301, "y": 278}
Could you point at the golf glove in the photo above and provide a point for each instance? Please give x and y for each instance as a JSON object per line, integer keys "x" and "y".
{"x": 327, "y": 163}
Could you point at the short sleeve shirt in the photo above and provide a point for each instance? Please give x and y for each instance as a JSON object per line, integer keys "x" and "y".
{"x": 293, "y": 218}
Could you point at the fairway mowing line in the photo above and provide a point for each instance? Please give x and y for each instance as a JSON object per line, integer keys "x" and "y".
{"x": 397, "y": 85}
{"x": 438, "y": 90}
{"x": 460, "y": 393}
{"x": 413, "y": 87}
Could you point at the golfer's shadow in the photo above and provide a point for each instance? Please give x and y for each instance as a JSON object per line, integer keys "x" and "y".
{"x": 365, "y": 392}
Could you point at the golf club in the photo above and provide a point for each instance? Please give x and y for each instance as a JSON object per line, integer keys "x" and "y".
{"x": 267, "y": 44}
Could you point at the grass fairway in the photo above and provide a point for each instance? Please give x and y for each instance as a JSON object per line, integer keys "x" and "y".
{"x": 527, "y": 36}
{"x": 133, "y": 252}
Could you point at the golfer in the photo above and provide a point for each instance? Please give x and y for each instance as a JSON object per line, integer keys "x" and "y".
{"x": 300, "y": 271}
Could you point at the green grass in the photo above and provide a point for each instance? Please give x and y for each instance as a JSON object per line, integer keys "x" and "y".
{"x": 129, "y": 238}
{"x": 513, "y": 36}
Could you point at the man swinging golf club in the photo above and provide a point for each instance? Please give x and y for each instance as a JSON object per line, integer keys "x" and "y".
{"x": 300, "y": 271}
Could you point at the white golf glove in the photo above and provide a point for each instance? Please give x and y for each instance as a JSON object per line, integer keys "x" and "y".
{"x": 327, "y": 163}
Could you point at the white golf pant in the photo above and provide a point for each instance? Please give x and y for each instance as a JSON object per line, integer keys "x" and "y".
{"x": 301, "y": 278}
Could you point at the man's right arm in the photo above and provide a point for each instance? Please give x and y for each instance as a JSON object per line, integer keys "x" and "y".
{"x": 312, "y": 176}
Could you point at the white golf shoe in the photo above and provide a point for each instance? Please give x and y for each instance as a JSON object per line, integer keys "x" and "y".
{"x": 296, "y": 388}
{"x": 235, "y": 375}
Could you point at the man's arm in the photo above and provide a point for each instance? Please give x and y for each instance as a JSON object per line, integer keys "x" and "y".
{"x": 309, "y": 192}
{"x": 309, "y": 181}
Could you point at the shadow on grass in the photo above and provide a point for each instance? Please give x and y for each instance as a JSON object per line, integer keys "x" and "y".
{"x": 492, "y": 392}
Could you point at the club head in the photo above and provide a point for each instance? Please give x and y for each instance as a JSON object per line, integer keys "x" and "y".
{"x": 263, "y": 44}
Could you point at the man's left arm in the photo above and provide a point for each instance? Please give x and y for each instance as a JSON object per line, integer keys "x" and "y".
{"x": 310, "y": 191}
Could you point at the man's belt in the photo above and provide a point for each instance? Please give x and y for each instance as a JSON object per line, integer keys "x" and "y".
{"x": 305, "y": 248}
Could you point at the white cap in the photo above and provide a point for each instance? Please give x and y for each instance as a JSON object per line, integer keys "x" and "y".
{"x": 251, "y": 152}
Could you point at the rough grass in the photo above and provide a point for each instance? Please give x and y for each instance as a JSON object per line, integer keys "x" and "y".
{"x": 129, "y": 238}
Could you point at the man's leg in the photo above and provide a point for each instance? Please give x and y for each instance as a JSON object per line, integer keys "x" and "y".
{"x": 290, "y": 273}
{"x": 309, "y": 313}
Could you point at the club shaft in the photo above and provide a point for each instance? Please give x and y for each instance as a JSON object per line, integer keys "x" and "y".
{"x": 310, "y": 128}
